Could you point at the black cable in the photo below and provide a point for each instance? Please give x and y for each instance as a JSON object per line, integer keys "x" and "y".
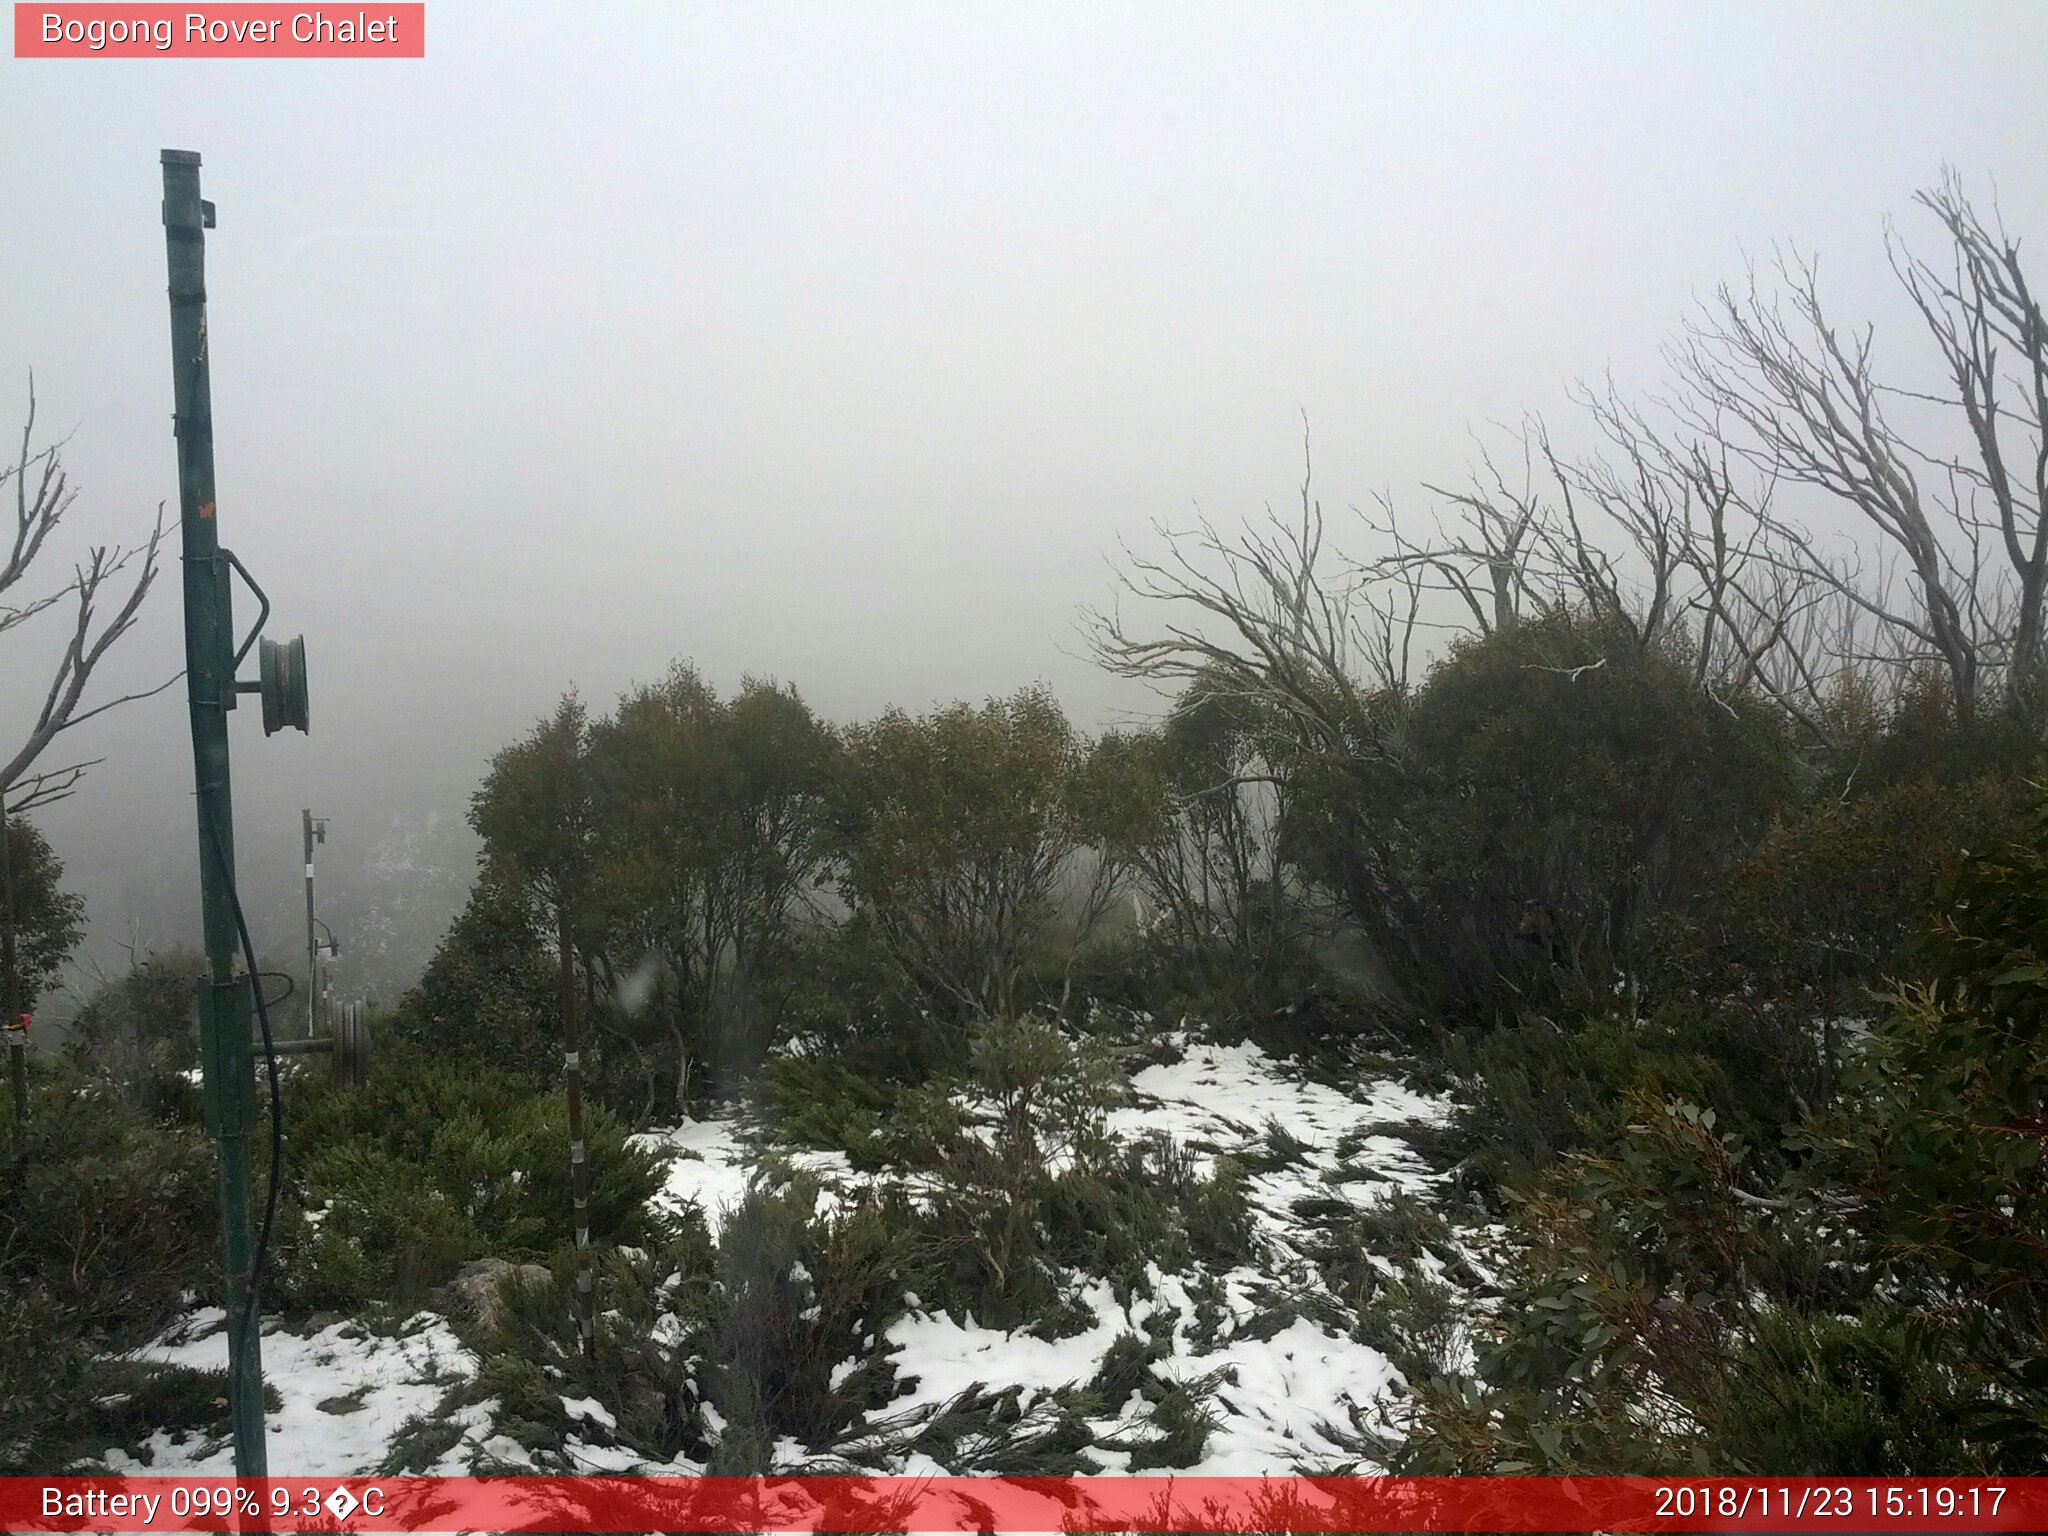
{"x": 276, "y": 1094}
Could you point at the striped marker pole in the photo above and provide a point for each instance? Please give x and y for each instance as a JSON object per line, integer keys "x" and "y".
{"x": 579, "y": 1162}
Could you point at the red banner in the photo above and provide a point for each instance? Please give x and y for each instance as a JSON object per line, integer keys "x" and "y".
{"x": 972, "y": 1504}
{"x": 242, "y": 31}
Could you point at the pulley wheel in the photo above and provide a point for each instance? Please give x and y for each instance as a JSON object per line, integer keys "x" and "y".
{"x": 352, "y": 1045}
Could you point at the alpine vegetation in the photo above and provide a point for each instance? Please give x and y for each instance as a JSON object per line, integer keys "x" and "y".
{"x": 1557, "y": 984}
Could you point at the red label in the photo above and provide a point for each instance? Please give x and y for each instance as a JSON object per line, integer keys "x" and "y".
{"x": 240, "y": 31}
{"x": 1236, "y": 1505}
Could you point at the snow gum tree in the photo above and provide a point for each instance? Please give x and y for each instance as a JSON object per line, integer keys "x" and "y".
{"x": 950, "y": 835}
{"x": 535, "y": 816}
{"x": 1208, "y": 796}
{"x": 708, "y": 858}
{"x": 45, "y": 921}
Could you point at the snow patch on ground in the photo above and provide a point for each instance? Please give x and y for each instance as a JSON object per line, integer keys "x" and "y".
{"x": 712, "y": 1164}
{"x": 1274, "y": 1397}
{"x": 348, "y": 1391}
{"x": 708, "y": 1166}
{"x": 345, "y": 1391}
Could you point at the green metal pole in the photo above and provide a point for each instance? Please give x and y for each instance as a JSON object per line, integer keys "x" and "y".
{"x": 225, "y": 1056}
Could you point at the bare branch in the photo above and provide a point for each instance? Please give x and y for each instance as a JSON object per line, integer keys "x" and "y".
{"x": 92, "y": 634}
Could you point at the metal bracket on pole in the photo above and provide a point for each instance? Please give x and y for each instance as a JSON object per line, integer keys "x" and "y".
{"x": 262, "y": 612}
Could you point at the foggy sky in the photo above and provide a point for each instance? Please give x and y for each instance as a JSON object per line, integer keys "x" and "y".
{"x": 841, "y": 343}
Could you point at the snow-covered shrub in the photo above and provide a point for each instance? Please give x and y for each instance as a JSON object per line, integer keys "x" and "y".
{"x": 640, "y": 1387}
{"x": 1387, "y": 1264}
{"x": 64, "y": 1404}
{"x": 1021, "y": 1184}
{"x": 1170, "y": 1420}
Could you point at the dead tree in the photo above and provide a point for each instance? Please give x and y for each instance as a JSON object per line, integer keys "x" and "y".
{"x": 1320, "y": 645}
{"x": 1484, "y": 561}
{"x": 1273, "y": 616}
{"x": 1615, "y": 535}
{"x": 1801, "y": 398}
{"x": 1715, "y": 572}
{"x": 1670, "y": 535}
{"x": 42, "y": 496}
{"x": 1981, "y": 305}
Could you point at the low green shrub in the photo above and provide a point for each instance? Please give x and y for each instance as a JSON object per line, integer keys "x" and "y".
{"x": 1533, "y": 1091}
{"x": 46, "y": 1367}
{"x": 1867, "y": 1395}
{"x": 382, "y": 1230}
{"x": 1530, "y": 1092}
{"x": 107, "y": 1233}
{"x": 1665, "y": 1314}
{"x": 816, "y": 1101}
{"x": 433, "y": 1163}
{"x": 800, "y": 1313}
{"x": 1817, "y": 911}
{"x": 139, "y": 1032}
{"x": 842, "y": 996}
{"x": 489, "y": 993}
{"x": 108, "y": 1215}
